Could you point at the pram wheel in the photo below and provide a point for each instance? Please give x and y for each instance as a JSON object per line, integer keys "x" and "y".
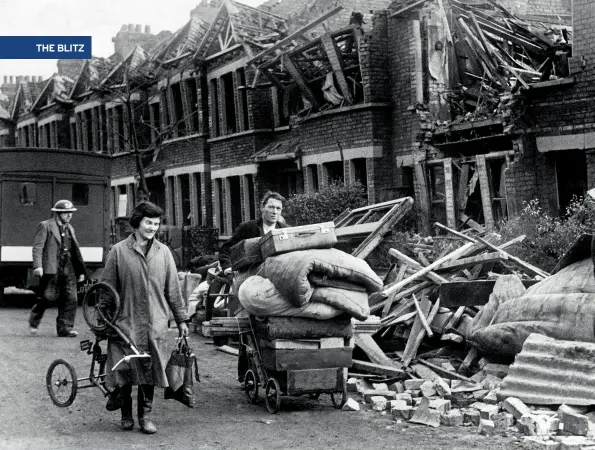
{"x": 61, "y": 382}
{"x": 104, "y": 296}
{"x": 251, "y": 386}
{"x": 273, "y": 395}
{"x": 338, "y": 402}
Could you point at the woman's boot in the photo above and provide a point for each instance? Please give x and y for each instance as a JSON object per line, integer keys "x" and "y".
{"x": 126, "y": 399}
{"x": 145, "y": 406}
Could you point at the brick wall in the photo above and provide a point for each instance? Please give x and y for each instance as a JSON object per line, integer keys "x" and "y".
{"x": 374, "y": 60}
{"x": 531, "y": 176}
{"x": 352, "y": 127}
{"x": 260, "y": 106}
{"x": 174, "y": 154}
{"x": 232, "y": 151}
{"x": 403, "y": 84}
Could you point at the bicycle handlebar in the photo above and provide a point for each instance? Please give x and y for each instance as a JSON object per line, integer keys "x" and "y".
{"x": 129, "y": 357}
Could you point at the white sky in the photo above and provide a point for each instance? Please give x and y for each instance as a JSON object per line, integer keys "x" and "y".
{"x": 100, "y": 19}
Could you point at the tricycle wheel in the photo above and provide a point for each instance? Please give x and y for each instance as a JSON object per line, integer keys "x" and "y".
{"x": 251, "y": 386}
{"x": 314, "y": 395}
{"x": 101, "y": 303}
{"x": 61, "y": 383}
{"x": 273, "y": 395}
{"x": 339, "y": 398}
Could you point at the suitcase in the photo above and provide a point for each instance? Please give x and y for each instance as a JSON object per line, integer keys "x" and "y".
{"x": 283, "y": 240}
{"x": 245, "y": 254}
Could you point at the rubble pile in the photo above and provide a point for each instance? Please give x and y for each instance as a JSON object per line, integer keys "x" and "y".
{"x": 416, "y": 307}
{"x": 498, "y": 53}
{"x": 435, "y": 401}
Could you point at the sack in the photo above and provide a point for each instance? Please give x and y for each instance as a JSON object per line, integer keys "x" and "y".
{"x": 179, "y": 374}
{"x": 52, "y": 292}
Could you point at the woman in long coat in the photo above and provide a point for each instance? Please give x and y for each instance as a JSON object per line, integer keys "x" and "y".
{"x": 143, "y": 272}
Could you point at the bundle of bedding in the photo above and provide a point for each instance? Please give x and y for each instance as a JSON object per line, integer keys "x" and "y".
{"x": 315, "y": 283}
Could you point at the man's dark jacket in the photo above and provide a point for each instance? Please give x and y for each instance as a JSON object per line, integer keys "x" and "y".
{"x": 247, "y": 230}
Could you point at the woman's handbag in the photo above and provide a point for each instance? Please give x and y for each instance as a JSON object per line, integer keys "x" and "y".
{"x": 179, "y": 374}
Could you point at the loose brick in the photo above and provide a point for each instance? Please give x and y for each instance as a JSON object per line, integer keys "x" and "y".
{"x": 378, "y": 403}
{"x": 515, "y": 407}
{"x": 452, "y": 418}
{"x": 413, "y": 385}
{"x": 440, "y": 404}
{"x": 470, "y": 416}
{"x": 489, "y": 412}
{"x": 369, "y": 393}
{"x": 487, "y": 427}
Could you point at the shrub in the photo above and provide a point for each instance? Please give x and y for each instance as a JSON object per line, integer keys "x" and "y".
{"x": 548, "y": 238}
{"x": 325, "y": 204}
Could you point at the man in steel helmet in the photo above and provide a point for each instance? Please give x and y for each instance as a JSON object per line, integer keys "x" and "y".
{"x": 57, "y": 260}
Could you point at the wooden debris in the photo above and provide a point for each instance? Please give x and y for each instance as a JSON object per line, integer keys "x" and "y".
{"x": 379, "y": 369}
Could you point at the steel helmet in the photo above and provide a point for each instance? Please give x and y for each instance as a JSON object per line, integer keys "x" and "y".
{"x": 63, "y": 206}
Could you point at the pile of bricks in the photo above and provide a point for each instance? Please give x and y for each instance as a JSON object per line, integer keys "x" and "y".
{"x": 434, "y": 401}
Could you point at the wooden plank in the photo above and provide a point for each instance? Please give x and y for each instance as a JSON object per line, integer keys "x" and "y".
{"x": 423, "y": 198}
{"x": 384, "y": 226}
{"x": 336, "y": 60}
{"x": 417, "y": 338}
{"x": 376, "y": 368}
{"x": 389, "y": 301}
{"x": 469, "y": 360}
{"x": 392, "y": 318}
{"x": 296, "y": 34}
{"x": 449, "y": 194}
{"x": 446, "y": 373}
{"x": 398, "y": 295}
{"x": 341, "y": 217}
{"x": 408, "y": 6}
{"x": 421, "y": 316}
{"x": 416, "y": 331}
{"x": 528, "y": 267}
{"x": 296, "y": 359}
{"x": 454, "y": 320}
{"x": 433, "y": 276}
{"x": 486, "y": 196}
{"x": 462, "y": 191}
{"x": 372, "y": 350}
{"x": 298, "y": 77}
{"x": 473, "y": 260}
{"x": 453, "y": 255}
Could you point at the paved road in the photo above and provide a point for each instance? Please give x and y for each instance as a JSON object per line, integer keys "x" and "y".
{"x": 222, "y": 418}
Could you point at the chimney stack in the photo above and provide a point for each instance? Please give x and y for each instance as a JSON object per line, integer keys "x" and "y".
{"x": 148, "y": 29}
{"x": 130, "y": 27}
{"x": 5, "y": 79}
{"x": 19, "y": 78}
{"x": 40, "y": 78}
{"x": 11, "y": 79}
{"x": 138, "y": 28}
{"x": 27, "y": 79}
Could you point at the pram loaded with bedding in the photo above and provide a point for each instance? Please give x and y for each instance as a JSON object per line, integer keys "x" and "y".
{"x": 300, "y": 299}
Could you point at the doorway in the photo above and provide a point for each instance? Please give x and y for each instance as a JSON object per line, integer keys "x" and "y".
{"x": 571, "y": 177}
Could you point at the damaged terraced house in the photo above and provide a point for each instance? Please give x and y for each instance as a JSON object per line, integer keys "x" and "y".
{"x": 469, "y": 106}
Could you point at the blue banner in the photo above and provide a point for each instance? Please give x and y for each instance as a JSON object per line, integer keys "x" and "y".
{"x": 45, "y": 47}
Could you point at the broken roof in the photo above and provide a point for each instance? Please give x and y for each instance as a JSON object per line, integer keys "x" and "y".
{"x": 498, "y": 54}
{"x": 237, "y": 25}
{"x": 183, "y": 43}
{"x": 25, "y": 97}
{"x": 57, "y": 89}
